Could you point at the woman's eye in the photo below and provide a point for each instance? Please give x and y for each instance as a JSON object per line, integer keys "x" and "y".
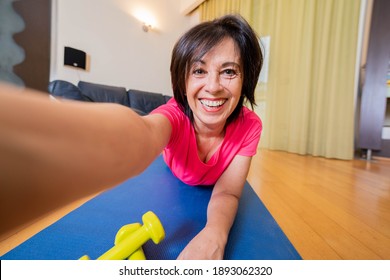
{"x": 198, "y": 72}
{"x": 229, "y": 73}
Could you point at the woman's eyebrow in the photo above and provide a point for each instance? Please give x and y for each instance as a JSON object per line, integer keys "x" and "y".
{"x": 225, "y": 64}
{"x": 235, "y": 64}
{"x": 199, "y": 61}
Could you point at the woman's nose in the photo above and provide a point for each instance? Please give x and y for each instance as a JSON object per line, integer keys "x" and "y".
{"x": 213, "y": 82}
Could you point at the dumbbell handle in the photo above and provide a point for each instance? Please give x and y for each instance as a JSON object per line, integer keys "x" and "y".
{"x": 127, "y": 246}
{"x": 124, "y": 233}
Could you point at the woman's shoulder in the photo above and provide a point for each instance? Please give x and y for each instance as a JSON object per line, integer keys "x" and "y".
{"x": 250, "y": 116}
{"x": 173, "y": 112}
{"x": 171, "y": 107}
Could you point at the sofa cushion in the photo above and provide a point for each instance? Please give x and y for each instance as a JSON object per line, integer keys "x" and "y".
{"x": 67, "y": 90}
{"x": 139, "y": 112}
{"x": 104, "y": 93}
{"x": 166, "y": 98}
{"x": 145, "y": 101}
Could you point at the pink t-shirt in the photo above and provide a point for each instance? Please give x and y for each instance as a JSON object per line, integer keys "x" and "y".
{"x": 241, "y": 138}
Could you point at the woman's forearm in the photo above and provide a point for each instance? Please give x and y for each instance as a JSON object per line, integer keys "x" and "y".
{"x": 98, "y": 143}
{"x": 211, "y": 241}
{"x": 221, "y": 213}
{"x": 58, "y": 151}
{"x": 225, "y": 198}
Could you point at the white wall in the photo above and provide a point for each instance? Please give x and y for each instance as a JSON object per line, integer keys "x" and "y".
{"x": 120, "y": 52}
{"x": 187, "y": 6}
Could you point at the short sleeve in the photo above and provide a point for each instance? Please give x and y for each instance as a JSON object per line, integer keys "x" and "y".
{"x": 175, "y": 116}
{"x": 253, "y": 126}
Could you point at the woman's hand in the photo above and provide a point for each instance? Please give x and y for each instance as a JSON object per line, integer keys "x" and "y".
{"x": 207, "y": 245}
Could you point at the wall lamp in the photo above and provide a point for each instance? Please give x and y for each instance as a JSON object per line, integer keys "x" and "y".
{"x": 147, "y": 19}
{"x": 146, "y": 27}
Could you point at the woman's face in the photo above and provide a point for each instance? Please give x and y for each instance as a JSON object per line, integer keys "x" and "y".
{"x": 214, "y": 85}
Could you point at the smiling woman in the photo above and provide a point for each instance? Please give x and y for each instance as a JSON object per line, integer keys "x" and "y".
{"x": 205, "y": 133}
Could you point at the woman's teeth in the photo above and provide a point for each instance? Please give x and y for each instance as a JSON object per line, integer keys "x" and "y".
{"x": 212, "y": 103}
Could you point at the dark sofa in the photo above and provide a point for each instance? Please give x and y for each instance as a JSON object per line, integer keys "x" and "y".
{"x": 142, "y": 102}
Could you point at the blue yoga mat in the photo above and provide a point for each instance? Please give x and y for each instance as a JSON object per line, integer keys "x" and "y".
{"x": 91, "y": 228}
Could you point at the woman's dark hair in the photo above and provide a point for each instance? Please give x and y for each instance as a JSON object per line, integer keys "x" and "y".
{"x": 196, "y": 42}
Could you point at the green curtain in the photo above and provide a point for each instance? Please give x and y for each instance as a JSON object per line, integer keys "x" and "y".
{"x": 307, "y": 103}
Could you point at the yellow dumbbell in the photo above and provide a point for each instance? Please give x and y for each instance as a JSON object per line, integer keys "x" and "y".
{"x": 124, "y": 233}
{"x": 130, "y": 238}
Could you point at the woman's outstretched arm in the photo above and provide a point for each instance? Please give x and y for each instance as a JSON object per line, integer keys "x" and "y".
{"x": 210, "y": 242}
{"x": 54, "y": 152}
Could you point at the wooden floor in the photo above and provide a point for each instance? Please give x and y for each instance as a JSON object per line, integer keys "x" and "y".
{"x": 329, "y": 209}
